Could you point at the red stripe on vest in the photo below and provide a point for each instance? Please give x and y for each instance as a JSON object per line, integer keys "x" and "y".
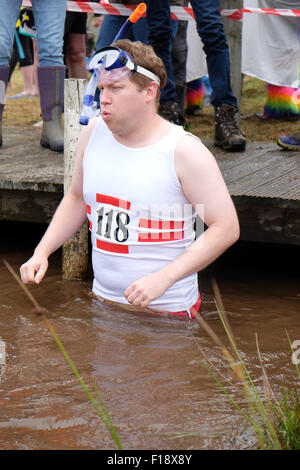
{"x": 161, "y": 236}
{"x": 113, "y": 201}
{"x": 112, "y": 247}
{"x": 161, "y": 224}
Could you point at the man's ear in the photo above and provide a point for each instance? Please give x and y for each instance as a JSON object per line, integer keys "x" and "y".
{"x": 151, "y": 91}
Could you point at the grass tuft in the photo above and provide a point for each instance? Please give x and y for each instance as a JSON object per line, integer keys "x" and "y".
{"x": 276, "y": 421}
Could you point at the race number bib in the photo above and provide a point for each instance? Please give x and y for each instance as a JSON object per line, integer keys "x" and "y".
{"x": 117, "y": 225}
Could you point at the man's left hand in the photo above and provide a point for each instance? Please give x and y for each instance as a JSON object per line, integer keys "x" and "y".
{"x": 143, "y": 291}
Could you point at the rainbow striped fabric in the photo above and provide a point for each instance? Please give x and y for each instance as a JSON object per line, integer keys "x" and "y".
{"x": 282, "y": 102}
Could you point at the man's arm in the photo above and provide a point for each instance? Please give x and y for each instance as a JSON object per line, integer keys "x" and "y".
{"x": 68, "y": 218}
{"x": 204, "y": 187}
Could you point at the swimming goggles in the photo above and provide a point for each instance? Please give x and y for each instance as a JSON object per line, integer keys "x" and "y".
{"x": 113, "y": 58}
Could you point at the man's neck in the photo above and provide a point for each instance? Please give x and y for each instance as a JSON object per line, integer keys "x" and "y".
{"x": 145, "y": 133}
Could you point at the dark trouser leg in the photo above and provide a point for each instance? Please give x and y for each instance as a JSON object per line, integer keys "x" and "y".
{"x": 161, "y": 31}
{"x": 211, "y": 31}
{"x": 179, "y": 59}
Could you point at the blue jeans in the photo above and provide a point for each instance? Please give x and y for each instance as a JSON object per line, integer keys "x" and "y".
{"x": 111, "y": 25}
{"x": 49, "y": 19}
{"x": 161, "y": 33}
{"x": 211, "y": 31}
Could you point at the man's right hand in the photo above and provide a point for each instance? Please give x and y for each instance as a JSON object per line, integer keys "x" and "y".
{"x": 33, "y": 271}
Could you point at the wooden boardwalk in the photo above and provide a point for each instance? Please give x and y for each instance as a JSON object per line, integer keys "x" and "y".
{"x": 264, "y": 182}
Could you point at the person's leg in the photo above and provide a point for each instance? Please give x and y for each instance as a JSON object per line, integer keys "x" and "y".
{"x": 76, "y": 55}
{"x": 49, "y": 18}
{"x": 161, "y": 32}
{"x": 109, "y": 28}
{"x": 51, "y": 85}
{"x": 140, "y": 31}
{"x": 26, "y": 67}
{"x": 75, "y": 44}
{"x": 211, "y": 31}
{"x": 9, "y": 15}
{"x": 26, "y": 43}
{"x": 36, "y": 90}
{"x": 27, "y": 74}
{"x": 13, "y": 60}
{"x": 179, "y": 59}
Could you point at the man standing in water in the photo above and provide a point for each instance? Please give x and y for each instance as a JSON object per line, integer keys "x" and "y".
{"x": 141, "y": 181}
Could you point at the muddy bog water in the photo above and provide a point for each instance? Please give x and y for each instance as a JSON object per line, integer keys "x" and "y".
{"x": 147, "y": 368}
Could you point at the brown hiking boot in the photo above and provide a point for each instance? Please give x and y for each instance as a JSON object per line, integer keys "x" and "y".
{"x": 227, "y": 133}
{"x": 170, "y": 111}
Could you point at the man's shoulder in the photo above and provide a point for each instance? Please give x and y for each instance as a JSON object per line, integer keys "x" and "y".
{"x": 188, "y": 142}
{"x": 86, "y": 131}
{"x": 191, "y": 153}
{"x": 85, "y": 135}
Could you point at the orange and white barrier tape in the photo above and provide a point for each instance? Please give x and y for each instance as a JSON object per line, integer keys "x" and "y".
{"x": 273, "y": 11}
{"x": 178, "y": 13}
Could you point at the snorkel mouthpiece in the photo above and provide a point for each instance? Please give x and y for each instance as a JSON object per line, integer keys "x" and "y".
{"x": 89, "y": 106}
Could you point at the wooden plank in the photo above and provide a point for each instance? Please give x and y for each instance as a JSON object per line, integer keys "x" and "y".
{"x": 32, "y": 184}
{"x": 266, "y": 220}
{"x": 269, "y": 184}
{"x": 75, "y": 251}
{"x": 24, "y": 164}
{"x": 265, "y": 171}
{"x": 233, "y": 31}
{"x": 29, "y": 206}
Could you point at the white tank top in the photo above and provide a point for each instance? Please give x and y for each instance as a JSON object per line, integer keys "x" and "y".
{"x": 139, "y": 217}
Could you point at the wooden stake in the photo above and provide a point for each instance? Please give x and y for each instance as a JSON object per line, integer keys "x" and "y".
{"x": 75, "y": 250}
{"x": 233, "y": 31}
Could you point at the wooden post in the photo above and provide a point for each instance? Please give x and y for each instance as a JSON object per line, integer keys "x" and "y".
{"x": 75, "y": 250}
{"x": 233, "y": 31}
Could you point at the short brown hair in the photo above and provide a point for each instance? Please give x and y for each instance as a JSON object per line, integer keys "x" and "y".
{"x": 144, "y": 56}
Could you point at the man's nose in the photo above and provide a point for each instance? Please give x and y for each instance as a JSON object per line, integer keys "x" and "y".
{"x": 104, "y": 96}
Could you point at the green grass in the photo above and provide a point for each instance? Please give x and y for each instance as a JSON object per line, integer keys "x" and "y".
{"x": 255, "y": 129}
{"x": 275, "y": 421}
{"x": 25, "y": 112}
